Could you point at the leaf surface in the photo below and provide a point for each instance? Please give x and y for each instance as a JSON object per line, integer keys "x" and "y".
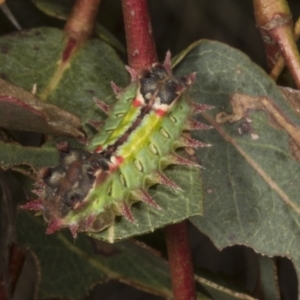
{"x": 70, "y": 83}
{"x": 63, "y": 262}
{"x": 68, "y": 268}
{"x": 13, "y": 154}
{"x": 251, "y": 176}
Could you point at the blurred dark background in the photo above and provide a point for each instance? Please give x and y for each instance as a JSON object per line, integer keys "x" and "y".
{"x": 177, "y": 24}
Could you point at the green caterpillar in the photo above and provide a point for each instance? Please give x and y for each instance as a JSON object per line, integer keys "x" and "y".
{"x": 150, "y": 120}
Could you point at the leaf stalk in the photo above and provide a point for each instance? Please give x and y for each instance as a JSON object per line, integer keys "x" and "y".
{"x": 180, "y": 261}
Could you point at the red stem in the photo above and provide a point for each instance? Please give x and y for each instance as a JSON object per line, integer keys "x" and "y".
{"x": 180, "y": 261}
{"x": 140, "y": 42}
{"x": 141, "y": 55}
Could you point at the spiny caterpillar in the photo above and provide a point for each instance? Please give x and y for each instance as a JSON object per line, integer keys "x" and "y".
{"x": 91, "y": 186}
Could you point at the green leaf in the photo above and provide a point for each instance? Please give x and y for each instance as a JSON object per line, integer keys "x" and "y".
{"x": 13, "y": 154}
{"x": 251, "y": 175}
{"x": 68, "y": 268}
{"x": 55, "y": 9}
{"x": 18, "y": 157}
{"x": 269, "y": 278}
{"x": 71, "y": 87}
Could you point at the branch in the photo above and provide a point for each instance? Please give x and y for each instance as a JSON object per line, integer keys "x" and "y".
{"x": 82, "y": 19}
{"x": 80, "y": 25}
{"x": 180, "y": 261}
{"x": 140, "y": 43}
{"x": 274, "y": 20}
{"x": 278, "y": 67}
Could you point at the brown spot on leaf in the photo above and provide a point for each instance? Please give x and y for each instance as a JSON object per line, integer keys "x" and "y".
{"x": 295, "y": 150}
{"x": 293, "y": 97}
{"x": 244, "y": 128}
{"x": 241, "y": 104}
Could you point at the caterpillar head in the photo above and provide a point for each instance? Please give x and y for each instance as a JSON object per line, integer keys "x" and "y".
{"x": 160, "y": 88}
